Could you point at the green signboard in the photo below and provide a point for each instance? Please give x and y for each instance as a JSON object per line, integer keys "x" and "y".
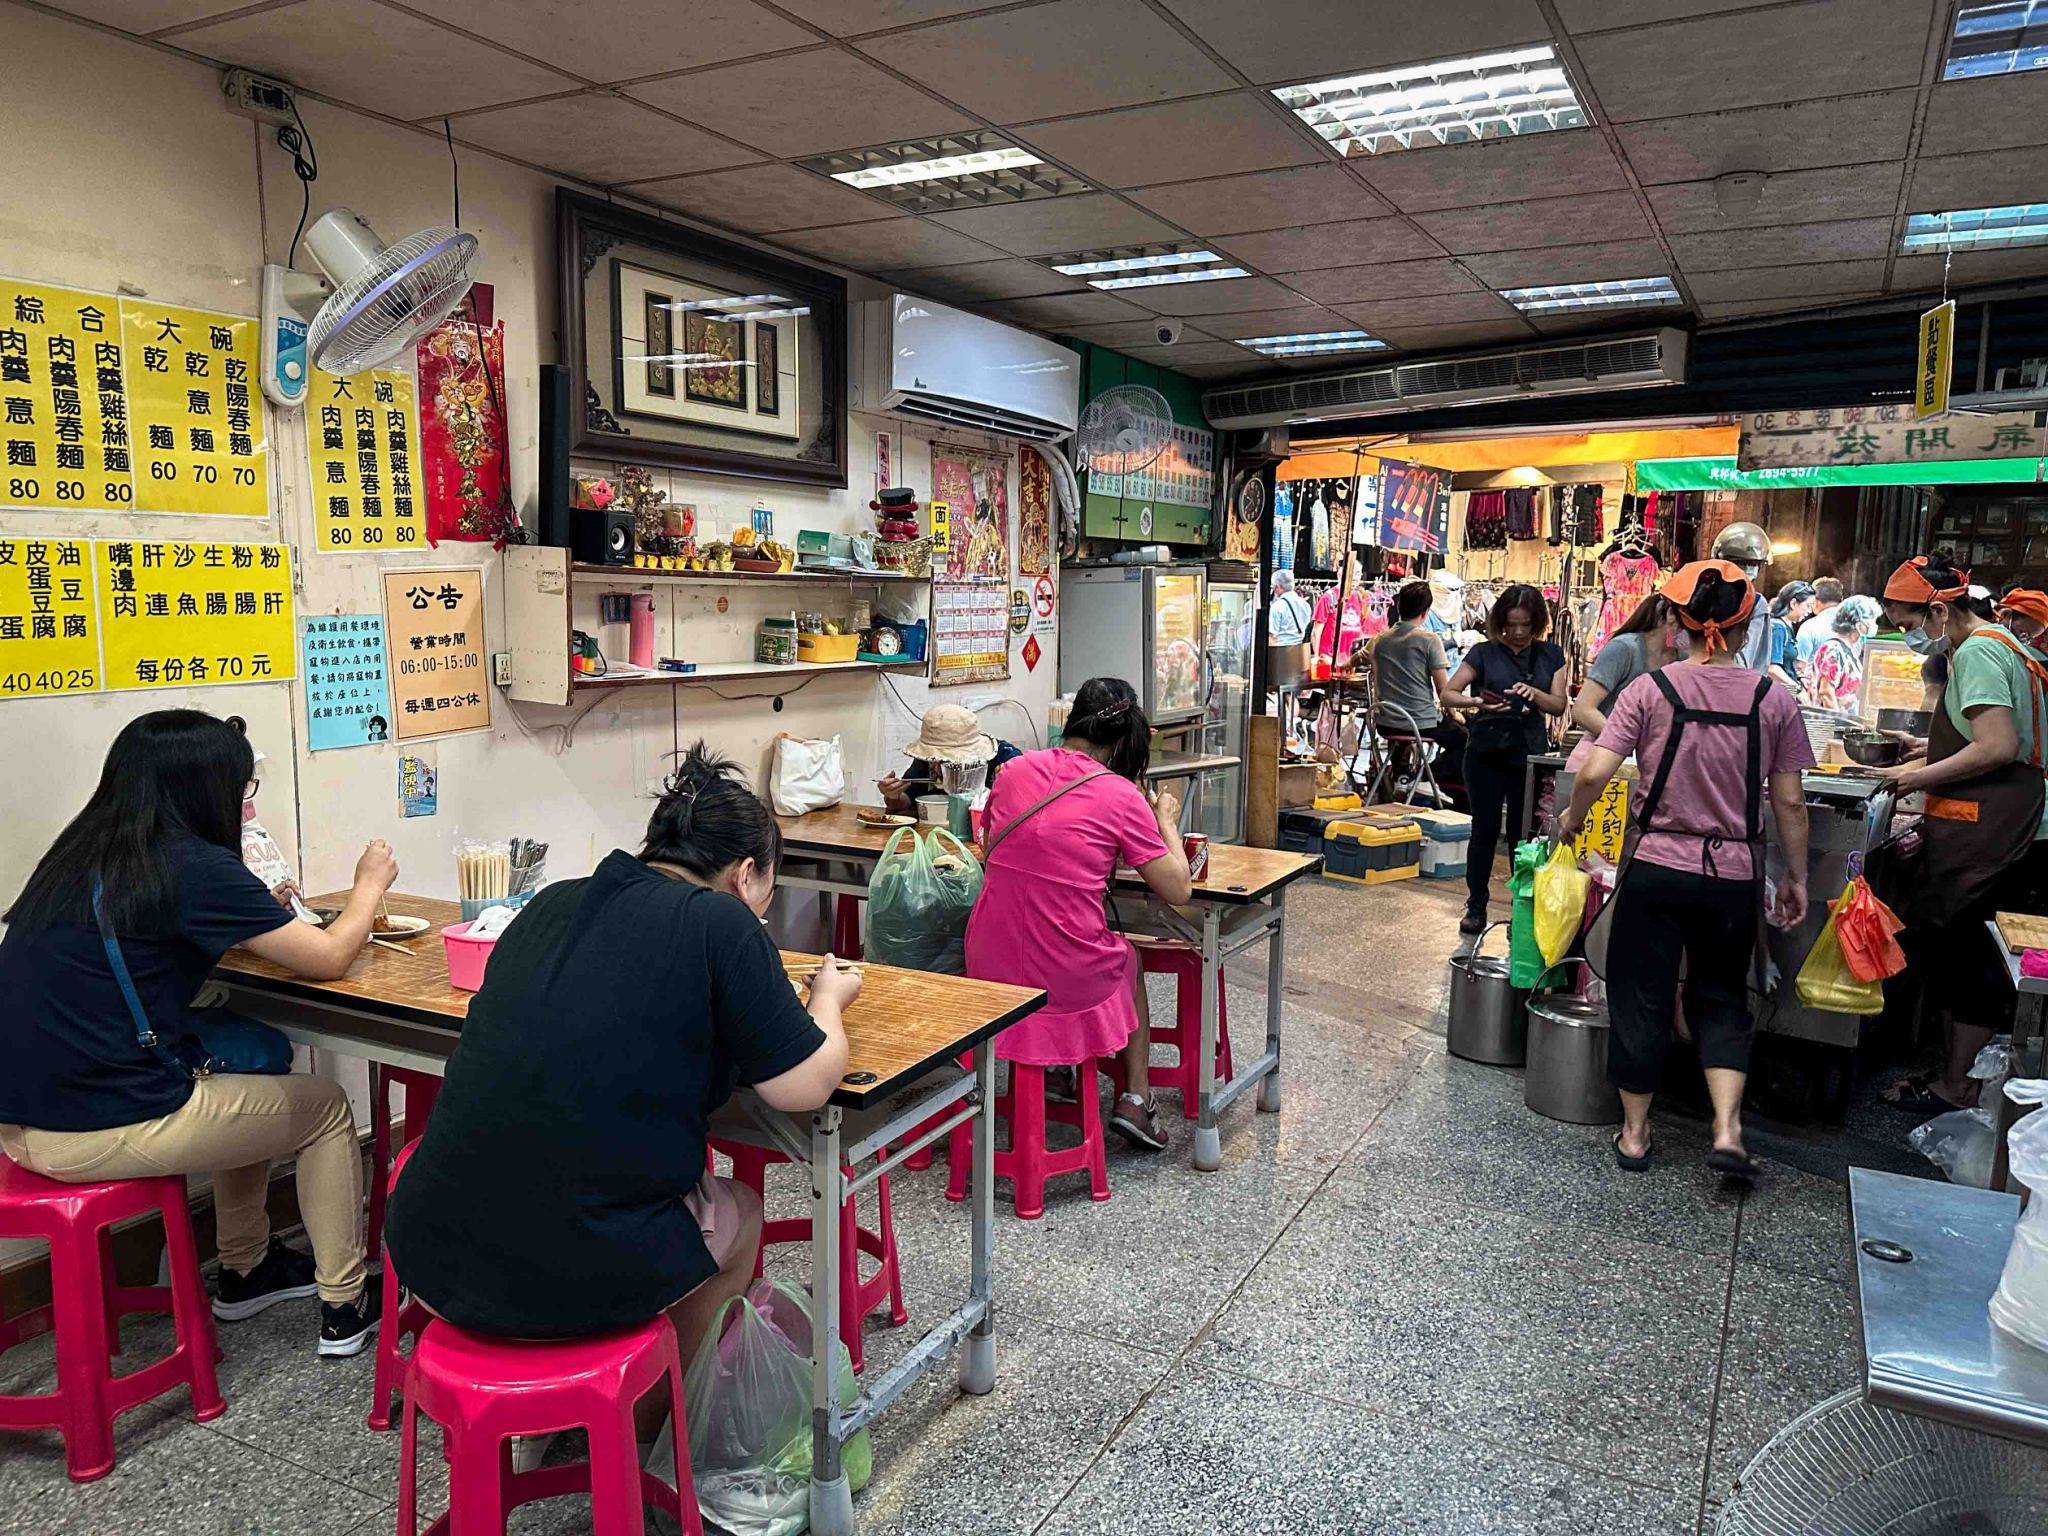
{"x": 1720, "y": 474}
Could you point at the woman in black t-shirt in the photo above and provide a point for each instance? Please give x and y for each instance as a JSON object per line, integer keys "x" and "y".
{"x": 1511, "y": 679}
{"x": 151, "y": 870}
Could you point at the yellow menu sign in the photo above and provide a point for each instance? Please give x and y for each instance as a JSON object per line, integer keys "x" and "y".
{"x": 49, "y": 642}
{"x": 1937, "y": 360}
{"x": 175, "y": 613}
{"x": 196, "y": 425}
{"x": 1606, "y": 823}
{"x": 63, "y": 400}
{"x": 434, "y": 637}
{"x": 363, "y": 435}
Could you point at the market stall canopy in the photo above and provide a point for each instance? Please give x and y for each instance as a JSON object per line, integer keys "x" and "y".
{"x": 1721, "y": 474}
{"x": 1331, "y": 461}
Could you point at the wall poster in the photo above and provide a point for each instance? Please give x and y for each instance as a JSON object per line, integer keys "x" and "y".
{"x": 970, "y": 632}
{"x": 434, "y": 621}
{"x": 1034, "y": 513}
{"x": 49, "y": 618}
{"x": 976, "y": 484}
{"x": 348, "y": 703}
{"x": 363, "y": 439}
{"x": 175, "y": 613}
{"x": 1414, "y": 507}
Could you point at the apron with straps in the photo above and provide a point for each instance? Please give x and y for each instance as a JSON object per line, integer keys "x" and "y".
{"x": 1976, "y": 829}
{"x": 1752, "y": 837}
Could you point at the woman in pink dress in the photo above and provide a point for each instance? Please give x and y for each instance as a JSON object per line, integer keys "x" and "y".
{"x": 1059, "y": 824}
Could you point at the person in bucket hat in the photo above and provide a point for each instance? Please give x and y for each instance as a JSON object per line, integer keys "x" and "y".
{"x": 949, "y": 733}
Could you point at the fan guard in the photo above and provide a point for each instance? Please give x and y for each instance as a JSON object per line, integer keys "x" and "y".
{"x": 385, "y": 297}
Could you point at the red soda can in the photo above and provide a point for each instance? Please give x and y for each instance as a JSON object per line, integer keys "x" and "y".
{"x": 1196, "y": 846}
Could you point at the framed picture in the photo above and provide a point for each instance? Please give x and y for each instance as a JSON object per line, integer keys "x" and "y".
{"x": 691, "y": 351}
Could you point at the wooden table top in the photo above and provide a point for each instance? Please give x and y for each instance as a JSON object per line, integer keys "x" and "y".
{"x": 1237, "y": 875}
{"x": 905, "y": 1023}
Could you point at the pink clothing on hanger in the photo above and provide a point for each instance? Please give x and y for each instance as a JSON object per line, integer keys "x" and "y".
{"x": 1625, "y": 581}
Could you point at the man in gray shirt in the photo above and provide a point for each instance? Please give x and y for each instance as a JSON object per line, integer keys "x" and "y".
{"x": 1409, "y": 673}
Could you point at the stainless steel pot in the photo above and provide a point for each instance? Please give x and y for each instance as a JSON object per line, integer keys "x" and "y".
{"x": 1567, "y": 1075}
{"x": 1488, "y": 1018}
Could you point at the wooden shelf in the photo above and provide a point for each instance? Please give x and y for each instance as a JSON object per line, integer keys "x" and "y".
{"x": 729, "y": 671}
{"x": 799, "y": 578}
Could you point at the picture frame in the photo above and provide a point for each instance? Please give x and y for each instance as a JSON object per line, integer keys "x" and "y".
{"x": 698, "y": 353}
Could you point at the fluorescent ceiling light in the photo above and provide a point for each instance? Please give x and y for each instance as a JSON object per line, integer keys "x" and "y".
{"x": 2002, "y": 39}
{"x": 1611, "y": 294}
{"x": 1154, "y": 279}
{"x": 1006, "y": 158}
{"x": 1976, "y": 229}
{"x": 1134, "y": 263}
{"x": 1450, "y": 101}
{"x": 1311, "y": 343}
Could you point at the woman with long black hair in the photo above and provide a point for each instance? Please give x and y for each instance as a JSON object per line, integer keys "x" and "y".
{"x": 118, "y": 927}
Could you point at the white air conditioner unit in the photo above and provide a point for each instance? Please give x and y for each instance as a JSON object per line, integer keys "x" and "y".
{"x": 1641, "y": 361}
{"x": 923, "y": 361}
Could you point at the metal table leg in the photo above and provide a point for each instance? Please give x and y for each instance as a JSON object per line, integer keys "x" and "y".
{"x": 978, "y": 1355}
{"x": 1276, "y": 973}
{"x": 2027, "y": 1047}
{"x": 1208, "y": 1143}
{"x": 831, "y": 1495}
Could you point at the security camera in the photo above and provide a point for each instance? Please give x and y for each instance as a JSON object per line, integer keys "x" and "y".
{"x": 1167, "y": 332}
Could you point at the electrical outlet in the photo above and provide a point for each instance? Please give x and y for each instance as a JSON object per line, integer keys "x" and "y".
{"x": 252, "y": 95}
{"x": 501, "y": 668}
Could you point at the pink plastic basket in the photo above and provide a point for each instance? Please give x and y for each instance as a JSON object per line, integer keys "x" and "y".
{"x": 467, "y": 957}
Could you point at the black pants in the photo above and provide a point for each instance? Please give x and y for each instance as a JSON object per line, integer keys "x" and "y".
{"x": 1494, "y": 779}
{"x": 1449, "y": 766}
{"x": 1974, "y": 986}
{"x": 1665, "y": 914}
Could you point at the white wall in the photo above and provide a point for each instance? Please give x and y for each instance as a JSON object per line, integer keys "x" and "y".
{"x": 123, "y": 172}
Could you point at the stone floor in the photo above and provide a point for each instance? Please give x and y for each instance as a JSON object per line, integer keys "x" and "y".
{"x": 1404, "y": 1305}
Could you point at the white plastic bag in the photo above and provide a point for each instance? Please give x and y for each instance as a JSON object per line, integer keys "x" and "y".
{"x": 2020, "y": 1304}
{"x": 1961, "y": 1142}
{"x": 747, "y": 1394}
{"x": 806, "y": 776}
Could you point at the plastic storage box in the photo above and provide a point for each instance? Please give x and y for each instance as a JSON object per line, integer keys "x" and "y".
{"x": 1446, "y": 839}
{"x": 1369, "y": 854}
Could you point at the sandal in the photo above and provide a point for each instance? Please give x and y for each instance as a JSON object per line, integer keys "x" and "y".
{"x": 1907, "y": 1087}
{"x": 1630, "y": 1164}
{"x": 1734, "y": 1163}
{"x": 1137, "y": 1121}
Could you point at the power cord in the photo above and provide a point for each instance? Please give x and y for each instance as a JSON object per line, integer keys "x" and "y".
{"x": 298, "y": 143}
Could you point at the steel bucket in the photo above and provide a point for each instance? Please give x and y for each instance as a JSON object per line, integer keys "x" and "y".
{"x": 1567, "y": 1066}
{"x": 1488, "y": 1019}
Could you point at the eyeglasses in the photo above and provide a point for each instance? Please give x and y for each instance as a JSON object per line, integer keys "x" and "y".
{"x": 249, "y": 789}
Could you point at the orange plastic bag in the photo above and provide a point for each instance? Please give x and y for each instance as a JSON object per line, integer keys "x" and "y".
{"x": 1868, "y": 932}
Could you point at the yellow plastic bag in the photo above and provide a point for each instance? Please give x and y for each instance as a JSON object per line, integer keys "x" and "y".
{"x": 1561, "y": 888}
{"x": 1825, "y": 980}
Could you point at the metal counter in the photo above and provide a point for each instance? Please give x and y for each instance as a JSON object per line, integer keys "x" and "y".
{"x": 1846, "y": 817}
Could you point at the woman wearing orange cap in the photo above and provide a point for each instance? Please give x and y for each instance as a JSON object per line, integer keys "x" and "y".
{"x": 1981, "y": 829}
{"x": 2024, "y": 612}
{"x": 1711, "y": 736}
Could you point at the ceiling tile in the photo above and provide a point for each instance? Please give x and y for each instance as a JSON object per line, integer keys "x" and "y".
{"x": 1995, "y": 179}
{"x": 1456, "y": 338}
{"x": 1052, "y": 226}
{"x": 1126, "y": 334}
{"x": 1997, "y": 112}
{"x": 1050, "y": 60}
{"x": 1570, "y": 264}
{"x": 1497, "y": 171}
{"x": 1844, "y": 240}
{"x": 1264, "y": 200}
{"x": 599, "y": 138}
{"x": 804, "y": 103}
{"x": 1184, "y": 354}
{"x": 764, "y": 198}
{"x": 619, "y": 39}
{"x": 1275, "y": 322}
{"x": 1056, "y": 310}
{"x": 1445, "y": 309}
{"x": 981, "y": 280}
{"x": 895, "y": 244}
{"x": 1314, "y": 39}
{"x": 370, "y": 56}
{"x": 1740, "y": 283}
{"x": 1599, "y": 15}
{"x": 847, "y": 18}
{"x": 1922, "y": 274}
{"x": 1741, "y": 309}
{"x": 146, "y": 16}
{"x": 1848, "y": 130}
{"x": 1390, "y": 280}
{"x": 1773, "y": 53}
{"x": 1790, "y": 197}
{"x": 1227, "y": 297}
{"x": 1545, "y": 221}
{"x": 1210, "y": 136}
{"x": 1316, "y": 246}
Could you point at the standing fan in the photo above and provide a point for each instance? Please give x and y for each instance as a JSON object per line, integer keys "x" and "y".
{"x": 386, "y": 297}
{"x": 1123, "y": 430}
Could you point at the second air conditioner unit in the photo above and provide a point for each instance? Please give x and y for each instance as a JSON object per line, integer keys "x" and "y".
{"x": 931, "y": 363}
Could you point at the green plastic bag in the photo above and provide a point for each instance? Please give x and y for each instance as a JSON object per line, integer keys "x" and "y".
{"x": 919, "y": 899}
{"x": 1560, "y": 903}
{"x": 1525, "y": 954}
{"x": 747, "y": 1395}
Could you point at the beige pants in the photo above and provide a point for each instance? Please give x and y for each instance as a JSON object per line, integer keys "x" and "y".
{"x": 233, "y": 1127}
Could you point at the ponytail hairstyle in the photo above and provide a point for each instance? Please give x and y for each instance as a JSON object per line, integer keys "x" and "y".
{"x": 1718, "y": 601}
{"x": 709, "y": 820}
{"x": 1106, "y": 713}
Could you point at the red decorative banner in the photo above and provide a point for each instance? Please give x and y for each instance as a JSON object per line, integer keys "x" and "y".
{"x": 462, "y": 419}
{"x": 1034, "y": 513}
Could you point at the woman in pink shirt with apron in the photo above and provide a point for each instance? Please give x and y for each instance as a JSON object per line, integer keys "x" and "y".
{"x": 1059, "y": 824}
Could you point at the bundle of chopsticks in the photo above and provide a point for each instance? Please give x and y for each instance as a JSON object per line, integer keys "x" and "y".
{"x": 499, "y": 871}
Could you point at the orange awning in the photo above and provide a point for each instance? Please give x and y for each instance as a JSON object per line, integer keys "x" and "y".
{"x": 1497, "y": 453}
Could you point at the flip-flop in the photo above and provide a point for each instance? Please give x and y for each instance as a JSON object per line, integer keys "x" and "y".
{"x": 1736, "y": 1165}
{"x": 1633, "y": 1164}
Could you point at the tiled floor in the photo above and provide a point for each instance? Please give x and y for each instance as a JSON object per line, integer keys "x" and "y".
{"x": 1404, "y": 1305}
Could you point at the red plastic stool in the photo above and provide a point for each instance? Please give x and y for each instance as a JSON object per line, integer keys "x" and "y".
{"x": 87, "y": 1306}
{"x": 857, "y": 1297}
{"x": 1028, "y": 1162}
{"x": 483, "y": 1391}
{"x": 420, "y": 1089}
{"x": 399, "y": 1323}
{"x": 846, "y": 927}
{"x": 1185, "y": 1033}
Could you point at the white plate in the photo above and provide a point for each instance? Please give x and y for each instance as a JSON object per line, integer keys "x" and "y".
{"x": 400, "y": 927}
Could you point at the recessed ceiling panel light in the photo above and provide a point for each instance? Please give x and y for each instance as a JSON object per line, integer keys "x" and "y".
{"x": 1610, "y": 294}
{"x": 939, "y": 168}
{"x": 1135, "y": 263}
{"x": 1976, "y": 229}
{"x": 1311, "y": 343}
{"x": 2002, "y": 39}
{"x": 964, "y": 170}
{"x": 1154, "y": 279}
{"x": 1450, "y": 101}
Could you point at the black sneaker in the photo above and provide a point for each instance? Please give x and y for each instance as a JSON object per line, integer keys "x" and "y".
{"x": 284, "y": 1274}
{"x": 344, "y": 1330}
{"x": 1474, "y": 921}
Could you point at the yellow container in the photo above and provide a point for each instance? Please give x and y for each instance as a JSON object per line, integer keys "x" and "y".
{"x": 814, "y": 647}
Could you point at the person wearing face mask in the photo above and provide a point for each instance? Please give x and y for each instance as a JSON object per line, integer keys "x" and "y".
{"x": 1795, "y": 603}
{"x": 1905, "y": 601}
{"x": 1651, "y": 638}
{"x": 560, "y": 1189}
{"x": 1981, "y": 847}
{"x": 1838, "y": 664}
{"x": 1748, "y": 548}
